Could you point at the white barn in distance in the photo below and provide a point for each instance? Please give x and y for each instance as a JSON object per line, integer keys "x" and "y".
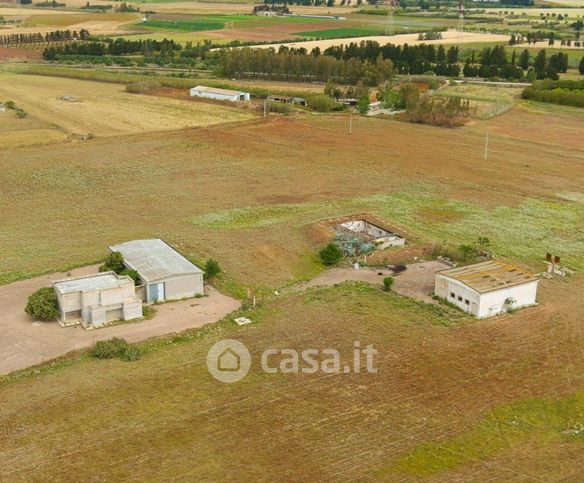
{"x": 220, "y": 94}
{"x": 487, "y": 288}
{"x": 164, "y": 273}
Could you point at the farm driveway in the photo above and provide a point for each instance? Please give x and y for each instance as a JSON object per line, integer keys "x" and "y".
{"x": 24, "y": 342}
{"x": 416, "y": 282}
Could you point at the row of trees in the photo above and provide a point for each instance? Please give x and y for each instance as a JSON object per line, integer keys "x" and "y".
{"x": 39, "y": 38}
{"x": 118, "y": 46}
{"x": 568, "y": 93}
{"x": 266, "y": 63}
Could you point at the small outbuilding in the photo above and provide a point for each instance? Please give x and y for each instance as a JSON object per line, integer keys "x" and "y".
{"x": 164, "y": 273}
{"x": 487, "y": 288}
{"x": 220, "y": 94}
{"x": 96, "y": 300}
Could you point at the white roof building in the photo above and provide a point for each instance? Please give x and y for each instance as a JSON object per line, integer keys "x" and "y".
{"x": 487, "y": 288}
{"x": 166, "y": 274}
{"x": 220, "y": 94}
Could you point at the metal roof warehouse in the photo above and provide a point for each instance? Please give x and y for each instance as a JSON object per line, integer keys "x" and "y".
{"x": 166, "y": 273}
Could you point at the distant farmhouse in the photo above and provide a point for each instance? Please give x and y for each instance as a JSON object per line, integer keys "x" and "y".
{"x": 220, "y": 94}
{"x": 164, "y": 273}
{"x": 95, "y": 300}
{"x": 487, "y": 288}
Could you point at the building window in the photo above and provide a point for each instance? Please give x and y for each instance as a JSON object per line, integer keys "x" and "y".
{"x": 452, "y": 295}
{"x": 466, "y": 301}
{"x": 459, "y": 298}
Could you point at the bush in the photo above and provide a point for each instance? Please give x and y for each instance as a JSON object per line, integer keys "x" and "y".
{"x": 133, "y": 274}
{"x": 331, "y": 254}
{"x": 388, "y": 283}
{"x": 42, "y": 305}
{"x": 322, "y": 103}
{"x": 108, "y": 349}
{"x": 212, "y": 268}
{"x": 114, "y": 262}
{"x": 131, "y": 353}
{"x": 143, "y": 87}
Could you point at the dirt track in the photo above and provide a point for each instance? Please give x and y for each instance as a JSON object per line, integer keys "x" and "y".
{"x": 24, "y": 342}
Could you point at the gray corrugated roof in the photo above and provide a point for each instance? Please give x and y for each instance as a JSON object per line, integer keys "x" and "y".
{"x": 89, "y": 283}
{"x": 154, "y": 259}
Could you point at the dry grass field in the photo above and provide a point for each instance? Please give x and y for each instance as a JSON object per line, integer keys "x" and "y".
{"x": 464, "y": 402}
{"x": 454, "y": 399}
{"x": 246, "y": 197}
{"x": 106, "y": 109}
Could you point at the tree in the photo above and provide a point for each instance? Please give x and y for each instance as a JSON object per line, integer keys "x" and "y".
{"x": 388, "y": 283}
{"x": 331, "y": 254}
{"x": 114, "y": 263}
{"x": 540, "y": 64}
{"x": 581, "y": 67}
{"x": 42, "y": 305}
{"x": 212, "y": 268}
{"x": 363, "y": 105}
{"x": 524, "y": 59}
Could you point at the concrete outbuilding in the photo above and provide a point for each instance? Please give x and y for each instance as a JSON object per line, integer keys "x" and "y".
{"x": 487, "y": 288}
{"x": 164, "y": 273}
{"x": 220, "y": 94}
{"x": 95, "y": 300}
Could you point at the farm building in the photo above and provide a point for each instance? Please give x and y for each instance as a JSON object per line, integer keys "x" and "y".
{"x": 288, "y": 100}
{"x": 95, "y": 300}
{"x": 164, "y": 273}
{"x": 487, "y": 288}
{"x": 220, "y": 94}
{"x": 366, "y": 230}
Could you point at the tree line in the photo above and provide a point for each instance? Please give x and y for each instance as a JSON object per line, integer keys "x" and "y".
{"x": 118, "y": 46}
{"x": 567, "y": 93}
{"x": 40, "y": 38}
{"x": 496, "y": 62}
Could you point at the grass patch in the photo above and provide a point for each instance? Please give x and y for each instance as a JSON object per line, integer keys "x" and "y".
{"x": 340, "y": 33}
{"x": 548, "y": 420}
{"x": 204, "y": 22}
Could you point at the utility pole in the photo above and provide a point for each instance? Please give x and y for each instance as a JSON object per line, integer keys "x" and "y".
{"x": 265, "y": 108}
{"x": 351, "y": 122}
{"x": 487, "y": 147}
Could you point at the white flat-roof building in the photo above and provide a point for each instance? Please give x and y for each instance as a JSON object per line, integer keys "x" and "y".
{"x": 487, "y": 288}
{"x": 164, "y": 272}
{"x": 220, "y": 94}
{"x": 95, "y": 300}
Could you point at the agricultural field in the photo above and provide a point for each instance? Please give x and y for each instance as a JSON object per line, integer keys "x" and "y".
{"x": 462, "y": 401}
{"x": 92, "y": 108}
{"x": 485, "y": 101}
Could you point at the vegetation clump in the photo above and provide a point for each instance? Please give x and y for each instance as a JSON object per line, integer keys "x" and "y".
{"x": 115, "y": 263}
{"x": 212, "y": 268}
{"x": 42, "y": 305}
{"x": 388, "y": 283}
{"x": 143, "y": 87}
{"x": 115, "y": 347}
{"x": 331, "y": 254}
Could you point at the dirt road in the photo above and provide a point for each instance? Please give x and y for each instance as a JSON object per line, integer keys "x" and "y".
{"x": 416, "y": 282}
{"x": 25, "y": 342}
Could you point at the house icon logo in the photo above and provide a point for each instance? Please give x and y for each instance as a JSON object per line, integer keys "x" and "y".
{"x": 228, "y": 360}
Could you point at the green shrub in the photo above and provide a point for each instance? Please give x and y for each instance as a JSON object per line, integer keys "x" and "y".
{"x": 388, "y": 283}
{"x": 331, "y": 254}
{"x": 114, "y": 262}
{"x": 212, "y": 268}
{"x": 131, "y": 353}
{"x": 10, "y": 105}
{"x": 42, "y": 305}
{"x": 322, "y": 103}
{"x": 108, "y": 349}
{"x": 133, "y": 274}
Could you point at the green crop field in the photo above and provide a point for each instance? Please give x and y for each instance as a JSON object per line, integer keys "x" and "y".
{"x": 205, "y": 22}
{"x": 341, "y": 32}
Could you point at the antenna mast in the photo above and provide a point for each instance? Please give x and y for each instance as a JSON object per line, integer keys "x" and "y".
{"x": 460, "y": 20}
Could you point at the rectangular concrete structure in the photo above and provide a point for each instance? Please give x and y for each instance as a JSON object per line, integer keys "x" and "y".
{"x": 487, "y": 288}
{"x": 164, "y": 273}
{"x": 95, "y": 300}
